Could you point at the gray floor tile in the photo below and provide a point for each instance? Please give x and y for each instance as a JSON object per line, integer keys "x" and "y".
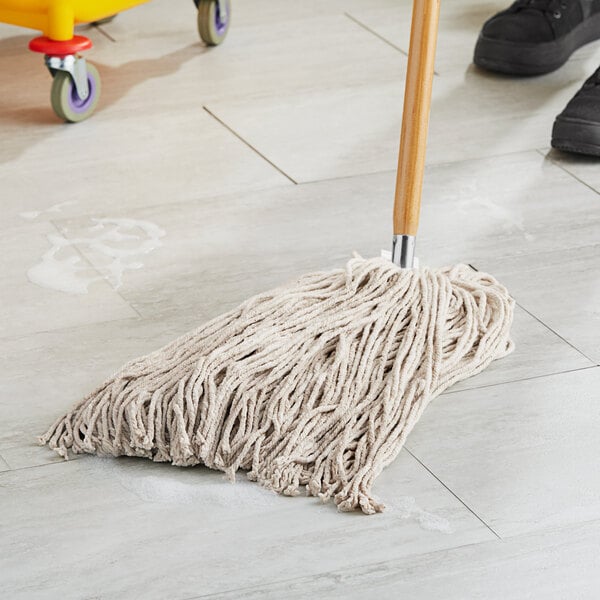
{"x": 192, "y": 157}
{"x": 460, "y": 24}
{"x": 552, "y": 565}
{"x": 49, "y": 169}
{"x": 562, "y": 289}
{"x": 584, "y": 168}
{"x": 29, "y": 454}
{"x": 36, "y": 253}
{"x": 521, "y": 455}
{"x": 538, "y": 351}
{"x": 96, "y": 528}
{"x": 326, "y": 134}
{"x": 236, "y": 245}
{"x": 44, "y": 374}
{"x": 487, "y": 210}
{"x": 250, "y": 65}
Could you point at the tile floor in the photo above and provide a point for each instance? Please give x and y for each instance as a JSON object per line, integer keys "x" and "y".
{"x": 209, "y": 175}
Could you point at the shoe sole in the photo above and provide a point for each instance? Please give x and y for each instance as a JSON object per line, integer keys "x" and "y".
{"x": 534, "y": 59}
{"x": 576, "y": 135}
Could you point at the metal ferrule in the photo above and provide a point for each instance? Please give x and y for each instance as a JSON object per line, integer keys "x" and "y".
{"x": 403, "y": 251}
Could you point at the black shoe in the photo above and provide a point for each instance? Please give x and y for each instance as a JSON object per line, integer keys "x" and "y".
{"x": 532, "y": 37}
{"x": 577, "y": 128}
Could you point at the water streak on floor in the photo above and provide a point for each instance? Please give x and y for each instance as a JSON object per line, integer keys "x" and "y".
{"x": 117, "y": 243}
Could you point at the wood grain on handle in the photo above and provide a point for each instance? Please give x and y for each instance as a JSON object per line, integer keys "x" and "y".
{"x": 415, "y": 118}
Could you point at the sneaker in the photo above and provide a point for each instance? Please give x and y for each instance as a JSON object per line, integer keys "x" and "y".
{"x": 577, "y": 128}
{"x": 533, "y": 37}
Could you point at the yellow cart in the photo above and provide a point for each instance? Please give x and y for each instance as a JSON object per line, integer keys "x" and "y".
{"x": 76, "y": 83}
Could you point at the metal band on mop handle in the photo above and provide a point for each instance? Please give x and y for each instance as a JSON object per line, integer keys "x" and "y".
{"x": 403, "y": 251}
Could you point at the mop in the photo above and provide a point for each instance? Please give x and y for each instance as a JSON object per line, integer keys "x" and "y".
{"x": 316, "y": 384}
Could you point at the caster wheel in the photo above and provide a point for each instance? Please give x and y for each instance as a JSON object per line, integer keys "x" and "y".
{"x": 65, "y": 100}
{"x": 212, "y": 24}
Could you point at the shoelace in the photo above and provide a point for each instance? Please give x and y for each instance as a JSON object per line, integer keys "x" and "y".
{"x": 550, "y": 7}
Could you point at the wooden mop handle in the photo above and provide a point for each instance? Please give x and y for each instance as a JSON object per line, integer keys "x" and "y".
{"x": 415, "y": 118}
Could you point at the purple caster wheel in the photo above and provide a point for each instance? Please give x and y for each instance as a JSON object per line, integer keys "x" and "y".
{"x": 66, "y": 101}
{"x": 214, "y": 17}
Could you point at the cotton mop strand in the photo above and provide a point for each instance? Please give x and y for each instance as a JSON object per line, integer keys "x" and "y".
{"x": 316, "y": 383}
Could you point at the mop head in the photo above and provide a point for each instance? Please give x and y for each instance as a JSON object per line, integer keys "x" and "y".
{"x": 316, "y": 383}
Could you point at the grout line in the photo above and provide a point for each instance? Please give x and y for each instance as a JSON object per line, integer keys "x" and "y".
{"x": 563, "y": 168}
{"x": 71, "y": 459}
{"x": 3, "y": 460}
{"x": 556, "y": 333}
{"x": 553, "y": 331}
{"x": 555, "y": 528}
{"x": 334, "y": 573}
{"x": 379, "y": 36}
{"x": 94, "y": 268}
{"x": 453, "y": 493}
{"x": 429, "y": 165}
{"x": 11, "y": 338}
{"x": 83, "y": 257}
{"x": 532, "y": 378}
{"x": 239, "y": 137}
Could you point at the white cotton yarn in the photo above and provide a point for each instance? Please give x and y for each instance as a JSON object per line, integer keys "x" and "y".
{"x": 316, "y": 383}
